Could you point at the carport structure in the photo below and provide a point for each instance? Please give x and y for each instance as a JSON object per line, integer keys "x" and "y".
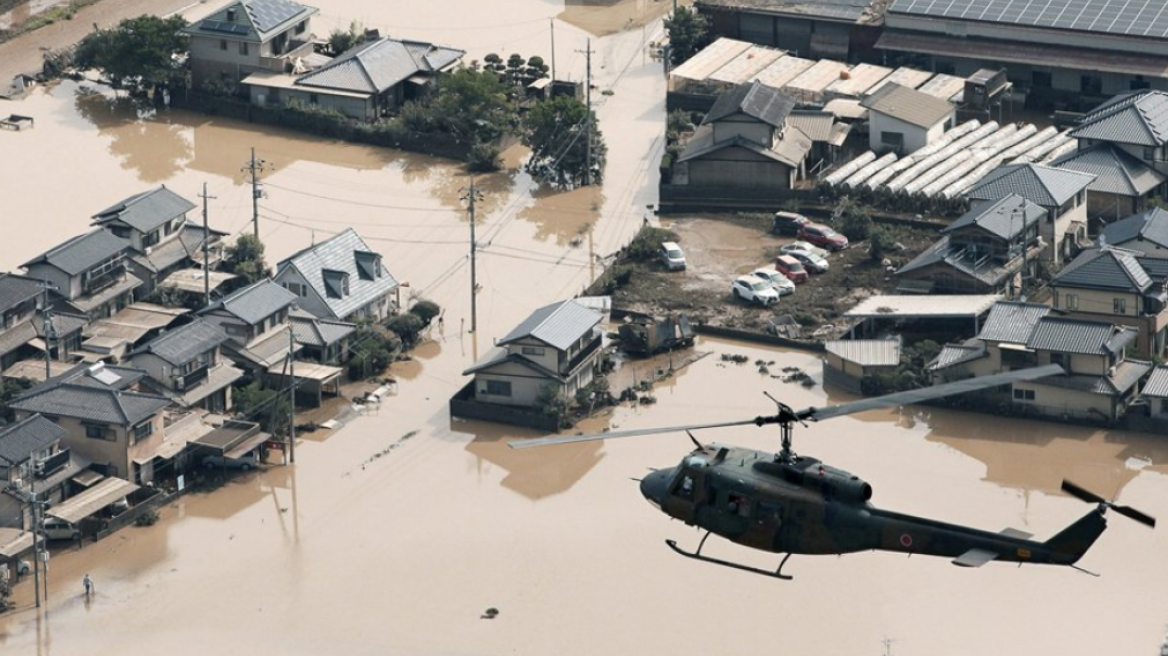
{"x": 90, "y": 501}
{"x": 936, "y": 311}
{"x": 234, "y": 439}
{"x": 312, "y": 379}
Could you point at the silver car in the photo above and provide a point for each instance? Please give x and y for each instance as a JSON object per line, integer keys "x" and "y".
{"x": 779, "y": 282}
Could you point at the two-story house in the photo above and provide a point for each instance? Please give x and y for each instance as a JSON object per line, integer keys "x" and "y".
{"x": 161, "y": 239}
{"x": 1116, "y": 285}
{"x": 1062, "y": 193}
{"x": 248, "y": 36}
{"x": 32, "y": 458}
{"x": 89, "y": 272}
{"x": 1122, "y": 182}
{"x": 1136, "y": 123}
{"x": 324, "y": 341}
{"x": 20, "y": 299}
{"x": 255, "y": 320}
{"x": 340, "y": 279}
{"x": 982, "y": 252}
{"x": 184, "y": 364}
{"x": 745, "y": 141}
{"x": 1146, "y": 233}
{"x": 556, "y": 347}
{"x": 1156, "y": 392}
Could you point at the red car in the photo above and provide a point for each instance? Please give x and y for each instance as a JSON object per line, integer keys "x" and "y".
{"x": 792, "y": 268}
{"x": 823, "y": 236}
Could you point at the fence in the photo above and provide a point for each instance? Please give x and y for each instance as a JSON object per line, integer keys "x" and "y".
{"x": 712, "y": 198}
{"x": 754, "y": 336}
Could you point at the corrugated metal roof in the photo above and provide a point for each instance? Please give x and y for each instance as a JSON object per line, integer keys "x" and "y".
{"x": 341, "y": 253}
{"x": 954, "y": 354}
{"x": 911, "y": 305}
{"x": 82, "y": 252}
{"x": 860, "y": 81}
{"x": 909, "y": 105}
{"x": 15, "y": 290}
{"x": 1157, "y": 384}
{"x": 255, "y": 302}
{"x": 1115, "y": 171}
{"x": 1125, "y": 376}
{"x": 849, "y": 10}
{"x": 1002, "y": 218}
{"x": 1045, "y": 185}
{"x": 1012, "y": 322}
{"x": 815, "y": 124}
{"x": 1104, "y": 268}
{"x": 183, "y": 344}
{"x": 1139, "y": 118}
{"x": 754, "y": 99}
{"x": 146, "y": 211}
{"x": 866, "y": 352}
{"x": 1151, "y": 226}
{"x": 97, "y": 404}
{"x": 26, "y": 437}
{"x": 77, "y": 508}
{"x": 710, "y": 59}
{"x": 559, "y": 325}
{"x": 377, "y": 66}
{"x": 1067, "y": 335}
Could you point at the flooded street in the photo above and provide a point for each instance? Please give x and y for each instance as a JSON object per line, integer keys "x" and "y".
{"x": 350, "y": 553}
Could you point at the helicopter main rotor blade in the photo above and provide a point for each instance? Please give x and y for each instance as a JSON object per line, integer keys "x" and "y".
{"x": 636, "y": 432}
{"x": 929, "y": 393}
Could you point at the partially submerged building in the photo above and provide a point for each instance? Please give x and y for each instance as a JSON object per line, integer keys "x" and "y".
{"x": 185, "y": 365}
{"x": 849, "y": 361}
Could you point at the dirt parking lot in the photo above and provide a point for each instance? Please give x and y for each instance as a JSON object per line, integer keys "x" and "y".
{"x": 718, "y": 249}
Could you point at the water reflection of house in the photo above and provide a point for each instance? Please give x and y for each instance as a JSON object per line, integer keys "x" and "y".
{"x": 248, "y": 36}
{"x": 364, "y": 83}
{"x": 536, "y": 474}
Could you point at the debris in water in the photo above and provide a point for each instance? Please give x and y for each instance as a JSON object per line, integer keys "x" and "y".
{"x": 490, "y": 614}
{"x": 735, "y": 358}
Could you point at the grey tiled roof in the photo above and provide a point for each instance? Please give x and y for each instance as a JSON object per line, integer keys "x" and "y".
{"x": 1157, "y": 384}
{"x": 1003, "y": 218}
{"x": 83, "y": 252}
{"x": 559, "y": 325}
{"x": 1066, "y": 335}
{"x": 16, "y": 336}
{"x": 1157, "y": 268}
{"x": 1045, "y": 185}
{"x": 1115, "y": 171}
{"x": 63, "y": 323}
{"x": 1139, "y": 118}
{"x": 1151, "y": 225}
{"x": 255, "y": 302}
{"x": 339, "y": 253}
{"x": 908, "y": 105}
{"x": 791, "y": 149}
{"x": 146, "y": 211}
{"x": 755, "y": 99}
{"x": 15, "y": 290}
{"x": 954, "y": 354}
{"x": 987, "y": 271}
{"x": 188, "y": 244}
{"x": 1125, "y": 376}
{"x": 101, "y": 375}
{"x": 180, "y": 345}
{"x": 866, "y": 352}
{"x": 1012, "y": 321}
{"x": 26, "y": 437}
{"x": 1105, "y": 268}
{"x": 311, "y": 331}
{"x": 815, "y": 124}
{"x": 255, "y": 20}
{"x": 97, "y": 404}
{"x": 379, "y": 65}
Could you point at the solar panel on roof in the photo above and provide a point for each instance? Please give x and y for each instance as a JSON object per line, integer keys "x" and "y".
{"x": 225, "y": 27}
{"x": 1135, "y": 17}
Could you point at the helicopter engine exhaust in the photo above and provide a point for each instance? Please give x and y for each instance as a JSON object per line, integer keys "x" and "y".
{"x": 842, "y": 486}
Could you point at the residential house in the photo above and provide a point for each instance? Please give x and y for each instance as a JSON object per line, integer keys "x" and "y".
{"x": 1100, "y": 381}
{"x": 184, "y": 364}
{"x": 117, "y": 430}
{"x": 556, "y": 347}
{"x": 1156, "y": 392}
{"x": 365, "y": 83}
{"x": 1135, "y": 123}
{"x": 1146, "y": 232}
{"x": 1122, "y": 182}
{"x": 904, "y": 120}
{"x": 255, "y": 320}
{"x": 89, "y": 272}
{"x": 849, "y": 361}
{"x": 982, "y": 252}
{"x": 1115, "y": 285}
{"x": 324, "y": 341}
{"x": 340, "y": 279}
{"x": 745, "y": 141}
{"x": 161, "y": 239}
{"x": 32, "y": 458}
{"x": 19, "y": 301}
{"x": 1062, "y": 193}
{"x": 248, "y": 36}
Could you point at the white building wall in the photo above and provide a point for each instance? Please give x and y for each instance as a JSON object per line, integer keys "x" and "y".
{"x": 310, "y": 301}
{"x": 915, "y": 137}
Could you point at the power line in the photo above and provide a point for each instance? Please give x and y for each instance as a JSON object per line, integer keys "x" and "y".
{"x": 361, "y": 204}
{"x": 384, "y": 239}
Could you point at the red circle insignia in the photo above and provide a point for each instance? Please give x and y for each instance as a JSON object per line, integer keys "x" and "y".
{"x": 906, "y": 540}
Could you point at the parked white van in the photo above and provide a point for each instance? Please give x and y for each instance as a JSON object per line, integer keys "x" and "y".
{"x": 672, "y": 256}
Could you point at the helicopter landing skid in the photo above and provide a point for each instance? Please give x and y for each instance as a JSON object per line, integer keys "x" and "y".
{"x": 697, "y": 555}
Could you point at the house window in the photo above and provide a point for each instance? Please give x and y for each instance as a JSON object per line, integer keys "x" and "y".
{"x": 234, "y": 330}
{"x": 1054, "y": 299}
{"x": 150, "y": 239}
{"x": 243, "y": 47}
{"x": 1023, "y": 394}
{"x": 301, "y": 26}
{"x": 532, "y": 350}
{"x": 1071, "y": 302}
{"x": 893, "y": 140}
{"x": 1149, "y": 154}
{"x": 336, "y": 283}
{"x": 223, "y": 44}
{"x": 142, "y": 431}
{"x": 1040, "y": 80}
{"x": 296, "y": 288}
{"x": 1119, "y": 305}
{"x": 95, "y": 431}
{"x": 499, "y": 387}
{"x": 1139, "y": 83}
{"x": 1091, "y": 85}
{"x": 313, "y": 99}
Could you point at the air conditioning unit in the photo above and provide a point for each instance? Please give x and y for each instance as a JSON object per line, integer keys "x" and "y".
{"x": 17, "y": 484}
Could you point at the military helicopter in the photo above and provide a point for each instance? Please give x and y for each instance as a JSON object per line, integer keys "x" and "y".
{"x": 793, "y": 504}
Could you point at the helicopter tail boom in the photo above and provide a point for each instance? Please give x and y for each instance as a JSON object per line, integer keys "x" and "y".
{"x": 1069, "y": 544}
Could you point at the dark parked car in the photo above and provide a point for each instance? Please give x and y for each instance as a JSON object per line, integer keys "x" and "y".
{"x": 788, "y": 223}
{"x": 823, "y": 236}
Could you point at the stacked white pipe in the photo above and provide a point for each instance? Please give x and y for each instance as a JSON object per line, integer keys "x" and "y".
{"x": 845, "y": 171}
{"x": 957, "y": 188}
{"x": 1064, "y": 149}
{"x": 1030, "y": 143}
{"x": 942, "y": 167}
{"x": 868, "y": 171}
{"x": 1038, "y": 152}
{"x": 912, "y": 173}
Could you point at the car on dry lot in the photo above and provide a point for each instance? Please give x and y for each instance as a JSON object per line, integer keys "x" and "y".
{"x": 781, "y": 283}
{"x": 754, "y": 290}
{"x": 788, "y": 223}
{"x": 792, "y": 268}
{"x": 810, "y": 261}
{"x": 823, "y": 236}
{"x": 805, "y": 246}
{"x": 672, "y": 256}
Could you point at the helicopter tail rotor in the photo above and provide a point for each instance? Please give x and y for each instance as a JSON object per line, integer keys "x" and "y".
{"x": 1090, "y": 497}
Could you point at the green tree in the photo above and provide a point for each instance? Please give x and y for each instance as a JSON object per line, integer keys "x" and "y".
{"x": 342, "y": 40}
{"x": 245, "y": 258}
{"x": 555, "y": 131}
{"x": 406, "y": 326}
{"x": 10, "y": 388}
{"x": 471, "y": 105}
{"x": 137, "y": 55}
{"x": 268, "y": 407}
{"x": 426, "y": 310}
{"x": 688, "y": 33}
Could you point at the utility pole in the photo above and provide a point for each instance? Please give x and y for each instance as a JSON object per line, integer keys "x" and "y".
{"x": 36, "y": 535}
{"x": 588, "y": 120}
{"x": 206, "y": 250}
{"x": 552, "y": 21}
{"x": 47, "y": 319}
{"x": 470, "y": 197}
{"x": 291, "y": 394}
{"x": 254, "y": 167}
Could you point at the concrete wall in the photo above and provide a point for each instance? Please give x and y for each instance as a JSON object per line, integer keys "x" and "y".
{"x": 915, "y": 137}
{"x": 1074, "y": 221}
{"x": 525, "y": 386}
{"x": 1098, "y": 302}
{"x": 1059, "y": 402}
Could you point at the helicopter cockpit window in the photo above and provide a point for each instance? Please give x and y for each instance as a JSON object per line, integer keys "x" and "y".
{"x": 739, "y": 505}
{"x": 685, "y": 487}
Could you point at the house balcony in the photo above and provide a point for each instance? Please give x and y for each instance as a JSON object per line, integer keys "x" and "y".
{"x": 50, "y": 465}
{"x": 187, "y": 381}
{"x": 103, "y": 281}
{"x": 581, "y": 357}
{"x": 282, "y": 63}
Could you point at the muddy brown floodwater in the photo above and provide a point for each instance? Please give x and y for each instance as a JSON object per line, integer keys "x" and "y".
{"x": 350, "y": 553}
